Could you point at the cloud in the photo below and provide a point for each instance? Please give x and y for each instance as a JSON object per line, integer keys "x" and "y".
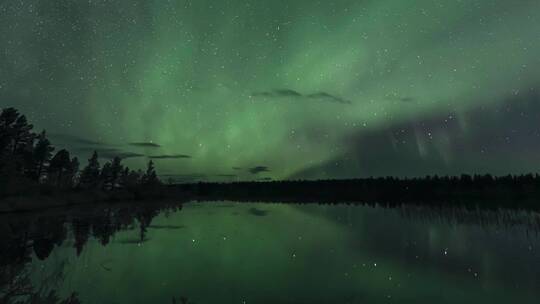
{"x": 167, "y": 156}
{"x": 74, "y": 139}
{"x": 258, "y": 169}
{"x": 88, "y": 146}
{"x": 124, "y": 155}
{"x": 236, "y": 168}
{"x": 278, "y": 93}
{"x": 184, "y": 178}
{"x": 288, "y": 93}
{"x": 98, "y": 150}
{"x": 406, "y": 99}
{"x": 328, "y": 97}
{"x": 476, "y": 140}
{"x": 111, "y": 153}
{"x": 145, "y": 144}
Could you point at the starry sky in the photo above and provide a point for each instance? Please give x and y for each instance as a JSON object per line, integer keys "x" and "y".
{"x": 257, "y": 90}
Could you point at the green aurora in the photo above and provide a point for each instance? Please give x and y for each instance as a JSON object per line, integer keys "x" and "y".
{"x": 307, "y": 89}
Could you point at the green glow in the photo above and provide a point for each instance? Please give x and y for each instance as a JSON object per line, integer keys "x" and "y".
{"x": 300, "y": 254}
{"x": 182, "y": 73}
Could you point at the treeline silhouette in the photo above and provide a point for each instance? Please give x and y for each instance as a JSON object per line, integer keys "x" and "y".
{"x": 28, "y": 164}
{"x": 510, "y": 191}
{"x": 37, "y": 235}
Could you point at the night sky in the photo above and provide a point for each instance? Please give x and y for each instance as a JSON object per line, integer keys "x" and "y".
{"x": 237, "y": 90}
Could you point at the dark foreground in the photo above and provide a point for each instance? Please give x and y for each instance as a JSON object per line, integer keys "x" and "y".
{"x": 228, "y": 252}
{"x": 484, "y": 191}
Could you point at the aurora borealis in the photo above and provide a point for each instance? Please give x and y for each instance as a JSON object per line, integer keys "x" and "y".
{"x": 225, "y": 90}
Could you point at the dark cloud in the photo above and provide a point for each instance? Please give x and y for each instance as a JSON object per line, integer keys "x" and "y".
{"x": 124, "y": 155}
{"x": 167, "y": 156}
{"x": 145, "y": 144}
{"x": 479, "y": 140}
{"x": 328, "y": 97}
{"x": 278, "y": 93}
{"x": 110, "y": 152}
{"x": 288, "y": 93}
{"x": 406, "y": 99}
{"x": 258, "y": 169}
{"x": 88, "y": 146}
{"x": 74, "y": 139}
{"x": 98, "y": 150}
{"x": 184, "y": 178}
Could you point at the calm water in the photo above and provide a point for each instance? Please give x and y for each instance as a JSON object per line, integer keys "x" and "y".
{"x": 272, "y": 253}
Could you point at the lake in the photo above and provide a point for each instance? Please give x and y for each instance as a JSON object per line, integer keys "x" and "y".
{"x": 227, "y": 252}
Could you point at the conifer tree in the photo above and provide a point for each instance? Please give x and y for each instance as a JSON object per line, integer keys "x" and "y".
{"x": 90, "y": 173}
{"x": 41, "y": 155}
{"x": 150, "y": 177}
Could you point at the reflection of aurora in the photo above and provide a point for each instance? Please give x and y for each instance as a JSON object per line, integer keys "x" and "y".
{"x": 302, "y": 254}
{"x": 248, "y": 83}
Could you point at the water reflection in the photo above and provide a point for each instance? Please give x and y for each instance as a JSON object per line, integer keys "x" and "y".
{"x": 28, "y": 237}
{"x": 258, "y": 212}
{"x": 205, "y": 253}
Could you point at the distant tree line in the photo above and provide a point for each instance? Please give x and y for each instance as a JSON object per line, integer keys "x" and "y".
{"x": 28, "y": 160}
{"x": 512, "y": 191}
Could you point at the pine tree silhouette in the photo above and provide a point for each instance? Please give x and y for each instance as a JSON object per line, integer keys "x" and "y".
{"x": 90, "y": 173}
{"x": 150, "y": 177}
{"x": 42, "y": 155}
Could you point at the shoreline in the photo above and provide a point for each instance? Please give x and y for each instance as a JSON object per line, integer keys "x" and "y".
{"x": 42, "y": 202}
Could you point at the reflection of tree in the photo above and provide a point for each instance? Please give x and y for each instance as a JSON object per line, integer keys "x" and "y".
{"x": 16, "y": 287}
{"x": 54, "y": 234}
{"x": 102, "y": 228}
{"x": 183, "y": 300}
{"x": 14, "y": 282}
{"x": 39, "y": 236}
{"x": 81, "y": 231}
{"x": 145, "y": 217}
{"x": 486, "y": 218}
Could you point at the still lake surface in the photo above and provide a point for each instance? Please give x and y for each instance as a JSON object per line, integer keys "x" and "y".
{"x": 226, "y": 252}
